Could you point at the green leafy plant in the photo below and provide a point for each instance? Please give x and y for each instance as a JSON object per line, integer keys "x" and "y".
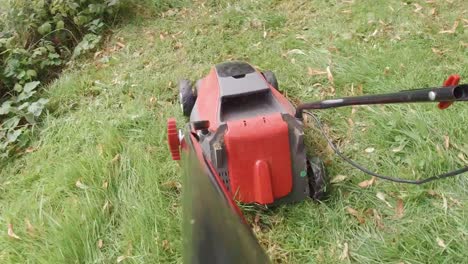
{"x": 37, "y": 38}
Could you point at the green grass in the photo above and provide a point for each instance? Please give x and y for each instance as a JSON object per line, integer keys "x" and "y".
{"x": 106, "y": 126}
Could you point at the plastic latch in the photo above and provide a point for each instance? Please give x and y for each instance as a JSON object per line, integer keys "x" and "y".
{"x": 452, "y": 80}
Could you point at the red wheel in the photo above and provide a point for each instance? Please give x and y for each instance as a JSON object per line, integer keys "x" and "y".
{"x": 173, "y": 139}
{"x": 452, "y": 80}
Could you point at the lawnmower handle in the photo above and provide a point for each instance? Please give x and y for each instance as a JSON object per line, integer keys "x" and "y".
{"x": 437, "y": 94}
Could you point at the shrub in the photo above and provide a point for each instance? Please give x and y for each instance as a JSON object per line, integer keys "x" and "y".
{"x": 37, "y": 38}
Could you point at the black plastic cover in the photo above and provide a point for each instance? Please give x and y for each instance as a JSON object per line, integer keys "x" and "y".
{"x": 233, "y": 68}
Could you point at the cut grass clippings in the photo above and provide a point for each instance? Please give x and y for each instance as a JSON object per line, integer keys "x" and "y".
{"x": 98, "y": 185}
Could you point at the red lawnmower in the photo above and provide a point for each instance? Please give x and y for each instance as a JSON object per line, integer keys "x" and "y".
{"x": 249, "y": 140}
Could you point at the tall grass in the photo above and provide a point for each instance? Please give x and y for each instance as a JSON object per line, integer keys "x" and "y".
{"x": 99, "y": 169}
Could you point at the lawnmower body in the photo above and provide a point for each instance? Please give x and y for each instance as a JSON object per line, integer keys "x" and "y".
{"x": 252, "y": 138}
{"x": 245, "y": 142}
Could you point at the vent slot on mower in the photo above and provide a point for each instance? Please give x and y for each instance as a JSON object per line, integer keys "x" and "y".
{"x": 242, "y": 106}
{"x": 225, "y": 177}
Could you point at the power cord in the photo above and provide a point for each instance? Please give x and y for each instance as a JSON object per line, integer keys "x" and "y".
{"x": 365, "y": 170}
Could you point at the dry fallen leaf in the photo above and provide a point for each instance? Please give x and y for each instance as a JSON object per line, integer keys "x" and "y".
{"x": 105, "y": 184}
{"x": 399, "y": 209}
{"x": 377, "y": 219}
{"x": 439, "y": 150}
{"x": 100, "y": 148}
{"x": 381, "y": 196}
{"x": 452, "y": 30}
{"x": 386, "y": 71}
{"x": 339, "y": 178}
{"x": 30, "y": 150}
{"x": 116, "y": 158}
{"x": 313, "y": 72}
{"x": 100, "y": 243}
{"x": 121, "y": 258}
{"x": 301, "y": 37}
{"x": 455, "y": 201}
{"x": 345, "y": 253}
{"x": 370, "y": 150}
{"x": 165, "y": 244}
{"x": 462, "y": 157}
{"x": 441, "y": 243}
{"x": 120, "y": 44}
{"x": 330, "y": 75}
{"x": 29, "y": 227}
{"x": 11, "y": 233}
{"x": 98, "y": 54}
{"x": 106, "y": 207}
{"x": 173, "y": 185}
{"x": 367, "y": 183}
{"x": 437, "y": 51}
{"x": 433, "y": 11}
{"x": 257, "y": 219}
{"x": 446, "y": 142}
{"x": 356, "y": 214}
{"x": 178, "y": 45}
{"x": 295, "y": 51}
{"x": 255, "y": 225}
{"x": 444, "y": 203}
{"x": 256, "y": 23}
{"x": 418, "y": 8}
{"x": 333, "y": 49}
{"x": 433, "y": 193}
{"x": 399, "y": 148}
{"x": 80, "y": 185}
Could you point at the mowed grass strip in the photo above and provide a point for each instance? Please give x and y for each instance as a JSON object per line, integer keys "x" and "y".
{"x": 98, "y": 184}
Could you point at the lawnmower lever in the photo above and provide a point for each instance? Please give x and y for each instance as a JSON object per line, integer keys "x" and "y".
{"x": 437, "y": 94}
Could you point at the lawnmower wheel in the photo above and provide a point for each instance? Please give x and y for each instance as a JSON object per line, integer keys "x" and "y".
{"x": 271, "y": 79}
{"x": 186, "y": 96}
{"x": 318, "y": 181}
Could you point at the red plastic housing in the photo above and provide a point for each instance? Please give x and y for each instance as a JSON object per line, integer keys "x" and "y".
{"x": 208, "y": 107}
{"x": 452, "y": 80}
{"x": 173, "y": 139}
{"x": 260, "y": 162}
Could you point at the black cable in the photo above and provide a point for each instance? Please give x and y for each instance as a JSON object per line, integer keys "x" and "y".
{"x": 388, "y": 178}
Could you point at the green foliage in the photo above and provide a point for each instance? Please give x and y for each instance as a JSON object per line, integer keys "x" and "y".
{"x": 37, "y": 38}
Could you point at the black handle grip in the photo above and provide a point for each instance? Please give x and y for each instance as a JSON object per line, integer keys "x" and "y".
{"x": 436, "y": 94}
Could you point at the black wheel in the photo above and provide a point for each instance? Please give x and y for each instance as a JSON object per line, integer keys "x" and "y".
{"x": 186, "y": 96}
{"x": 318, "y": 181}
{"x": 197, "y": 87}
{"x": 271, "y": 79}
